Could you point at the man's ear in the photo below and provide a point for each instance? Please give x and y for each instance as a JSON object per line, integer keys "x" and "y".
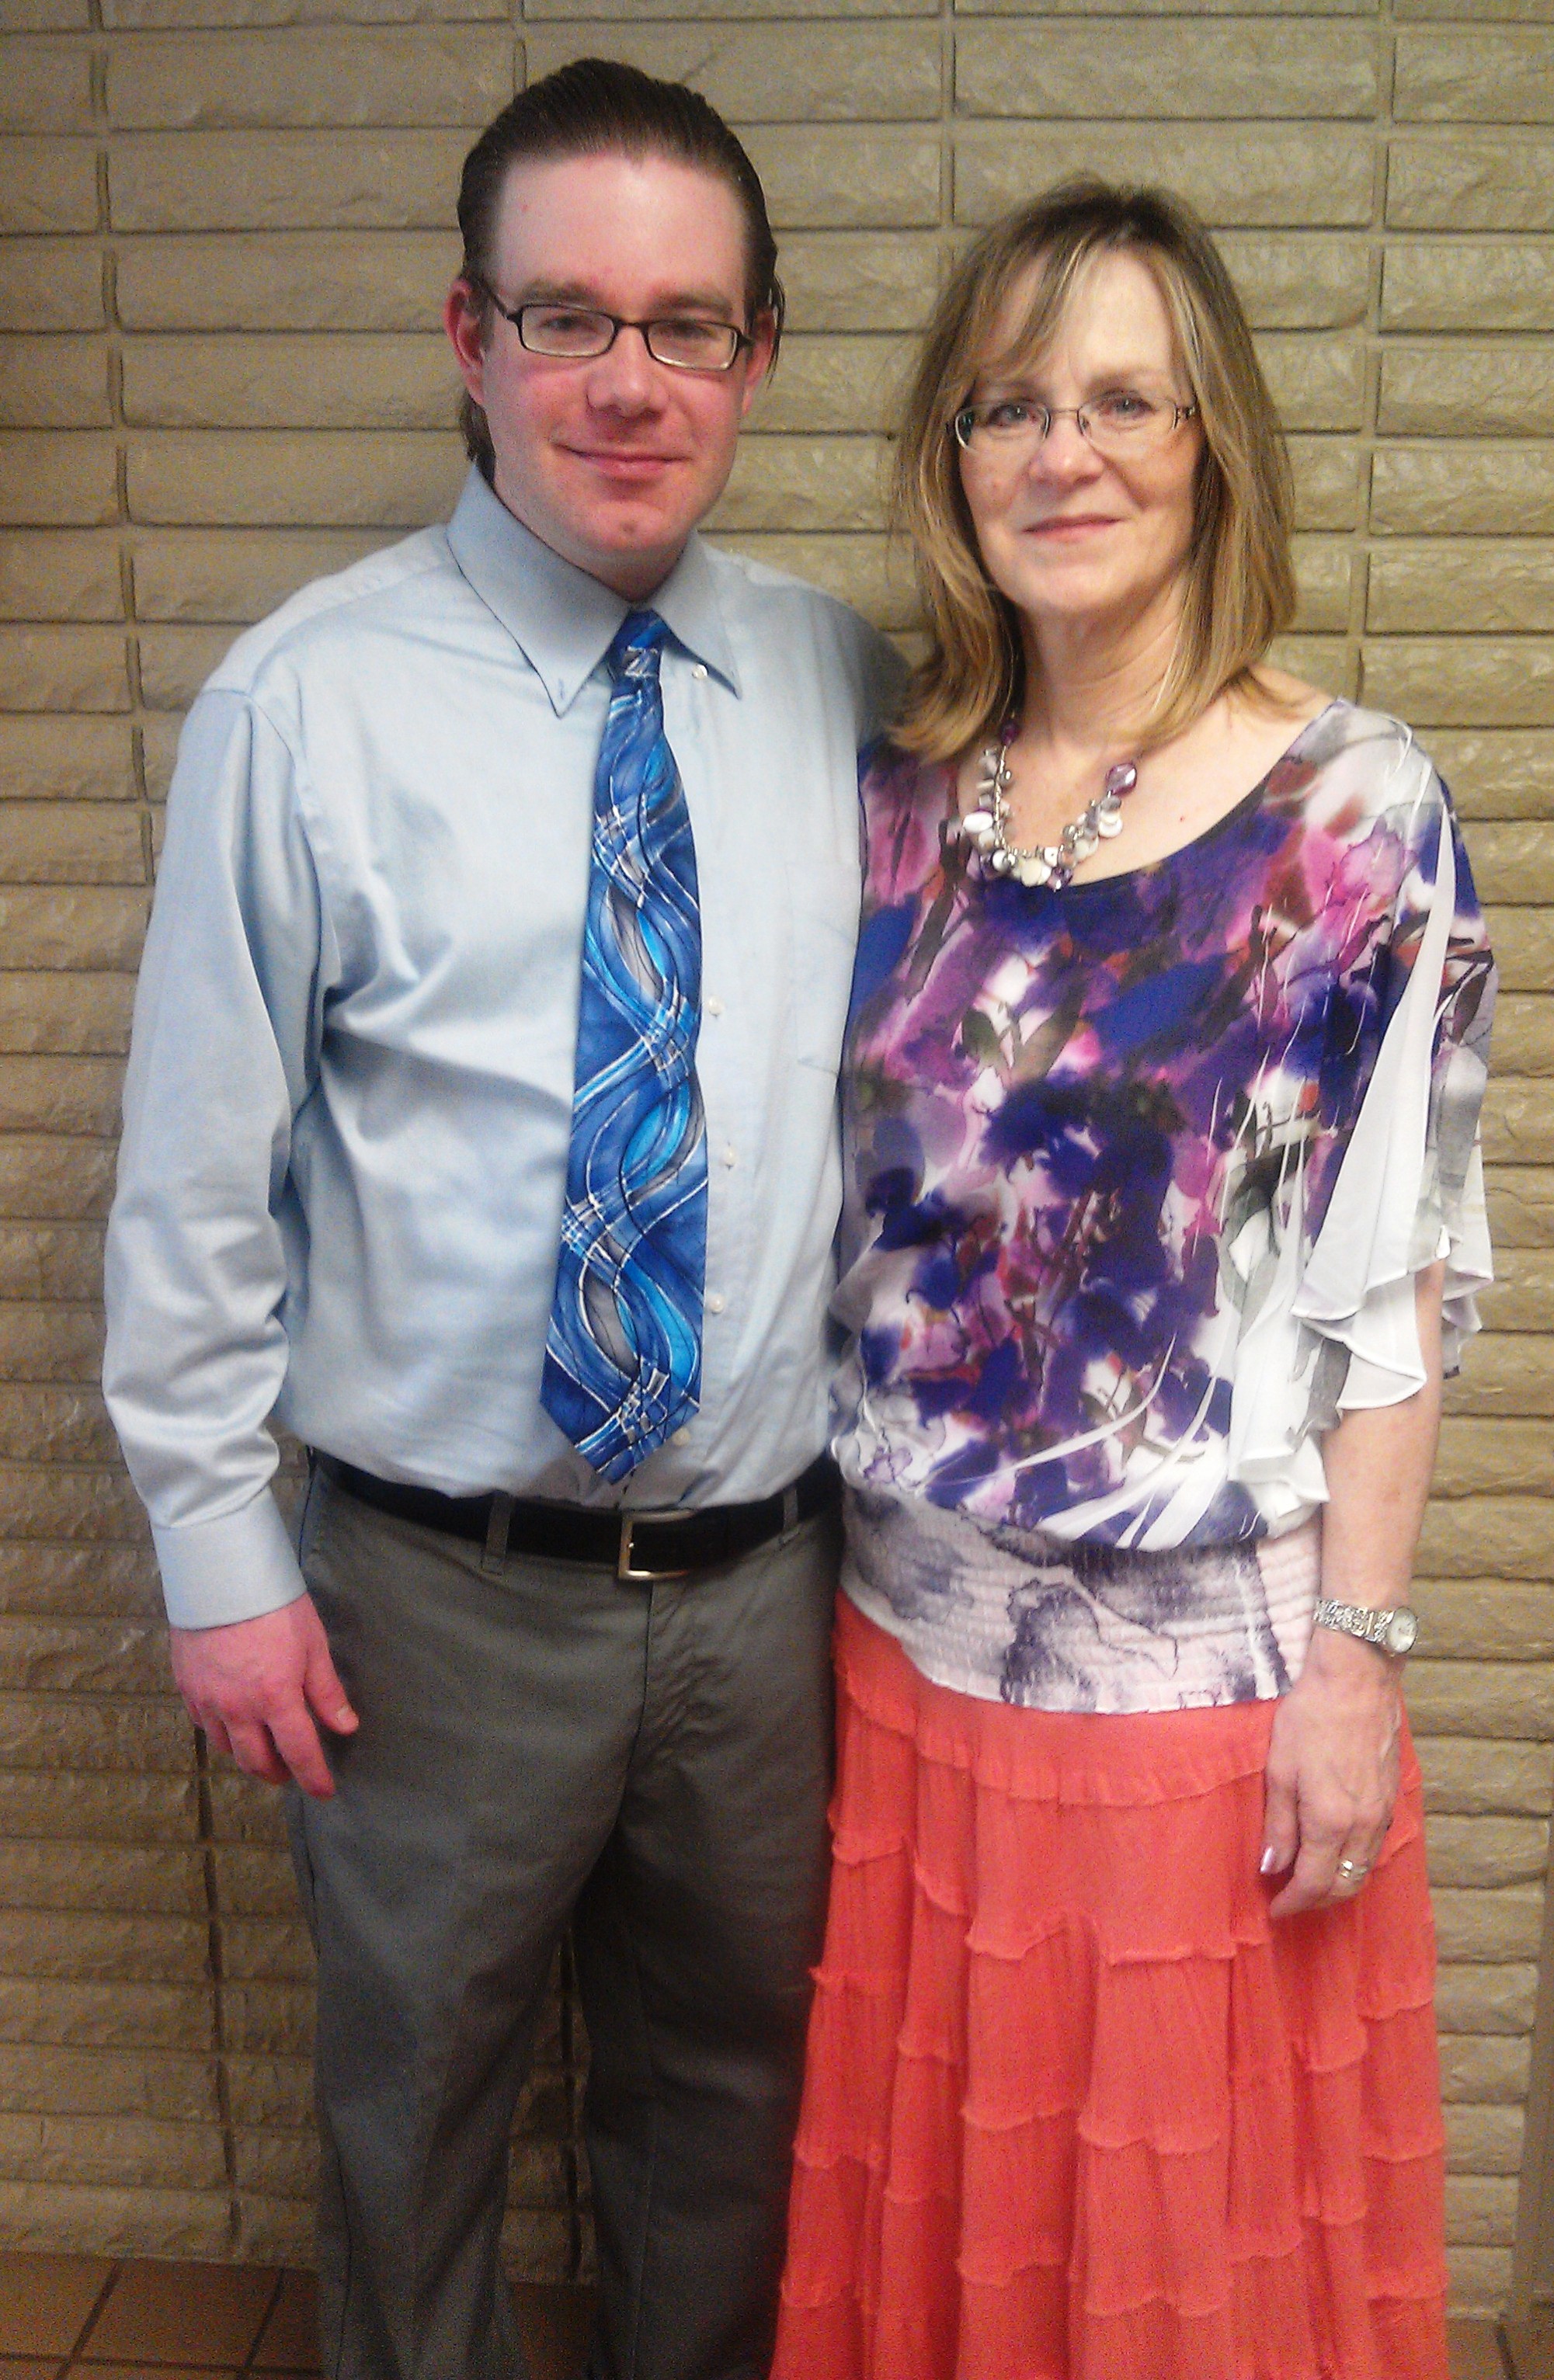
{"x": 757, "y": 362}
{"x": 461, "y": 320}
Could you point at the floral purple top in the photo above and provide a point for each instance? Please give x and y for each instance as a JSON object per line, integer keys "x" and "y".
{"x": 1139, "y": 1173}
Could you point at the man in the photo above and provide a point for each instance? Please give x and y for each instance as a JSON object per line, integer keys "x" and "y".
{"x": 480, "y": 1128}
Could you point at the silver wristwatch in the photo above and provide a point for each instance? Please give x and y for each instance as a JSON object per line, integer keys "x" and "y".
{"x": 1390, "y": 1631}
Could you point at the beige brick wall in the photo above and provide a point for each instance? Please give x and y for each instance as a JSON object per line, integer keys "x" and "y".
{"x": 224, "y": 233}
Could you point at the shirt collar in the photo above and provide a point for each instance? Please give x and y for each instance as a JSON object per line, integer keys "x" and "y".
{"x": 564, "y": 620}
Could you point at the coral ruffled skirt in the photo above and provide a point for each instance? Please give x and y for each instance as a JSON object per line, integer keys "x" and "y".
{"x": 1075, "y": 2109}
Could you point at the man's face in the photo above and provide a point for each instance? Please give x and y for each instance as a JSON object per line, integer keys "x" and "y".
{"x": 611, "y": 460}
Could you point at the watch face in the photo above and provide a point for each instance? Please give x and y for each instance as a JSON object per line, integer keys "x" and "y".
{"x": 1402, "y": 1630}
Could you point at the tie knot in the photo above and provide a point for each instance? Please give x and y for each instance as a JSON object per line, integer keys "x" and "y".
{"x": 638, "y": 643}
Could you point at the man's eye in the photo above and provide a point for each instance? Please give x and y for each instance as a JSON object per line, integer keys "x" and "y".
{"x": 689, "y": 332}
{"x": 563, "y": 322}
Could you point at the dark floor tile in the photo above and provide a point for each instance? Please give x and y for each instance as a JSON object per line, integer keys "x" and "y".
{"x": 44, "y": 2301}
{"x": 290, "y": 2338}
{"x": 203, "y": 2316}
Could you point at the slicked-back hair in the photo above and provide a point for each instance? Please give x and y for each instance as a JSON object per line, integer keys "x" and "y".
{"x": 597, "y": 107}
{"x": 1241, "y": 587}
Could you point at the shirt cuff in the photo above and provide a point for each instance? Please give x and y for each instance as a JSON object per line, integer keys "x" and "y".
{"x": 235, "y": 1568}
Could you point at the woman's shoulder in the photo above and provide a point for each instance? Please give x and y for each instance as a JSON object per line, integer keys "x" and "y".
{"x": 1350, "y": 766}
{"x": 890, "y": 778}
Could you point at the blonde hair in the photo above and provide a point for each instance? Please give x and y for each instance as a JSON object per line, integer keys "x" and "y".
{"x": 1241, "y": 587}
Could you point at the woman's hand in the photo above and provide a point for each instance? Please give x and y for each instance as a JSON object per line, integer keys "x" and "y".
{"x": 1332, "y": 1772}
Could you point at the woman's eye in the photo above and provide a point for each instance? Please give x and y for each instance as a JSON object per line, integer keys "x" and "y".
{"x": 1007, "y": 413}
{"x": 1119, "y": 405}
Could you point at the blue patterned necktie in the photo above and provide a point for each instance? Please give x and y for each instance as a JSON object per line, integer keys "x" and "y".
{"x": 623, "y": 1356}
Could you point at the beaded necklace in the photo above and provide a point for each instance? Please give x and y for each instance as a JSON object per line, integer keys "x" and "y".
{"x": 985, "y": 826}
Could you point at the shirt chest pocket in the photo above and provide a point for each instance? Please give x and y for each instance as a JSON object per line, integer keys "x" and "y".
{"x": 823, "y": 898}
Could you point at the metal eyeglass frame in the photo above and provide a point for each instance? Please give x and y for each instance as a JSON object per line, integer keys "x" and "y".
{"x": 1048, "y": 415}
{"x": 618, "y": 323}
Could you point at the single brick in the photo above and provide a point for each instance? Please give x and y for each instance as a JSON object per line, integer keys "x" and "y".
{"x": 1484, "y": 2140}
{"x": 77, "y": 843}
{"x": 1500, "y": 180}
{"x": 861, "y": 281}
{"x": 836, "y": 382}
{"x": 1521, "y": 940}
{"x": 1488, "y": 1852}
{"x": 1462, "y": 488}
{"x": 80, "y": 1656}
{"x": 133, "y": 2151}
{"x": 48, "y": 1093}
{"x": 57, "y": 383}
{"x": 41, "y": 1423}
{"x": 1182, "y": 69}
{"x": 1470, "y": 680}
{"x": 1494, "y": 585}
{"x": 1479, "y": 1698}
{"x": 758, "y": 74}
{"x": 236, "y": 574}
{"x": 1482, "y": 74}
{"x": 1510, "y": 1374}
{"x": 1327, "y": 475}
{"x": 1467, "y": 284}
{"x": 1486, "y": 1619}
{"x": 1466, "y": 391}
{"x": 1317, "y": 383}
{"x": 304, "y": 480}
{"x": 65, "y": 477}
{"x": 1490, "y": 2069}
{"x": 1497, "y": 773}
{"x": 110, "y": 2016}
{"x": 35, "y": 1503}
{"x": 50, "y": 284}
{"x": 1299, "y": 280}
{"x": 73, "y": 927}
{"x": 1496, "y": 1999}
{"x": 851, "y": 176}
{"x": 132, "y": 1879}
{"x": 46, "y": 86}
{"x": 1488, "y": 1926}
{"x": 51, "y": 1806}
{"x": 1522, "y": 1294}
{"x": 1480, "y": 2210}
{"x": 45, "y": 1260}
{"x": 1315, "y": 176}
{"x": 139, "y": 1734}
{"x": 38, "y": 2217}
{"x": 63, "y": 668}
{"x": 48, "y": 186}
{"x": 42, "y": 1342}
{"x": 175, "y": 663}
{"x": 1487, "y": 1779}
{"x": 1521, "y": 1206}
{"x": 278, "y": 181}
{"x": 290, "y": 281}
{"x": 1524, "y": 1044}
{"x": 60, "y": 574}
{"x": 371, "y": 383}
{"x": 67, "y": 759}
{"x": 310, "y": 79}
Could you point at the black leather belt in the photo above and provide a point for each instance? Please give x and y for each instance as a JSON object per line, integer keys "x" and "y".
{"x": 642, "y": 1545}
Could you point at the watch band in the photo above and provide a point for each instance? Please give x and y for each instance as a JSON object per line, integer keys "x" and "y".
{"x": 1392, "y": 1630}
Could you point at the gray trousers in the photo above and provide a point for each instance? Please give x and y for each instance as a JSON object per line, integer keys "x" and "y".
{"x": 540, "y": 1744}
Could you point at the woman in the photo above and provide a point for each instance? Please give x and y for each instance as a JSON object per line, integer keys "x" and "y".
{"x": 1164, "y": 1207}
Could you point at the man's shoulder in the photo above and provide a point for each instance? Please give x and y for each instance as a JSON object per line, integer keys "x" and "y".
{"x": 330, "y": 617}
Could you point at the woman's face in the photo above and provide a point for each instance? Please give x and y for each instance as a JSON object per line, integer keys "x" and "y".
{"x": 1069, "y": 535}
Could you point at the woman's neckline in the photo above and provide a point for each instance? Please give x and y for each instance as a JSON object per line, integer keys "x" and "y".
{"x": 1252, "y": 798}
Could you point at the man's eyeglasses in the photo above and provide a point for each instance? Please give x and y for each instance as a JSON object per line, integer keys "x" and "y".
{"x": 683, "y": 342}
{"x": 1122, "y": 423}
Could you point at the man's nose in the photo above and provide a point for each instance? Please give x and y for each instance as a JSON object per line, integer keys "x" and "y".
{"x": 626, "y": 378}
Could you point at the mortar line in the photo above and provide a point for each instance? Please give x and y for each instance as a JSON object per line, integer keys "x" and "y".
{"x": 1375, "y": 336}
{"x": 218, "y": 1995}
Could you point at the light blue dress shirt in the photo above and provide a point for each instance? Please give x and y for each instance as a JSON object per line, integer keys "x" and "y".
{"x": 349, "y": 1094}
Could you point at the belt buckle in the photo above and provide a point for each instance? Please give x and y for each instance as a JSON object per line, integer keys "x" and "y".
{"x": 623, "y": 1567}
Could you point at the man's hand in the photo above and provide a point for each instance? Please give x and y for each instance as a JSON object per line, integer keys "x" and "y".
{"x": 1333, "y": 1773}
{"x": 256, "y": 1687}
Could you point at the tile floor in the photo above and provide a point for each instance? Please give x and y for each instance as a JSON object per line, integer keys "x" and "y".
{"x": 90, "y": 2317}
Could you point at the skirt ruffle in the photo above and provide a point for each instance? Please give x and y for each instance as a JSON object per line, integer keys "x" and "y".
{"x": 1075, "y": 2109}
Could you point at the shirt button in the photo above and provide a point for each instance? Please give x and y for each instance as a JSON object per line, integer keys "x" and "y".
{"x": 680, "y": 1436}
{"x": 698, "y": 669}
{"x": 714, "y": 1005}
{"x": 731, "y": 1156}
{"x": 715, "y": 1303}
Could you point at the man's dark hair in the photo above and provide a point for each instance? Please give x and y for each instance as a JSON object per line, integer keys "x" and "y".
{"x": 598, "y": 107}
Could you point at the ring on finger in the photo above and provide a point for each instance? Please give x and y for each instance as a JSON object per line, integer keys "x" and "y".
{"x": 1352, "y": 1872}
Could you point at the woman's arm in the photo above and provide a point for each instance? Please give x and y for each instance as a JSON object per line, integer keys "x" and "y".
{"x": 1332, "y": 1767}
